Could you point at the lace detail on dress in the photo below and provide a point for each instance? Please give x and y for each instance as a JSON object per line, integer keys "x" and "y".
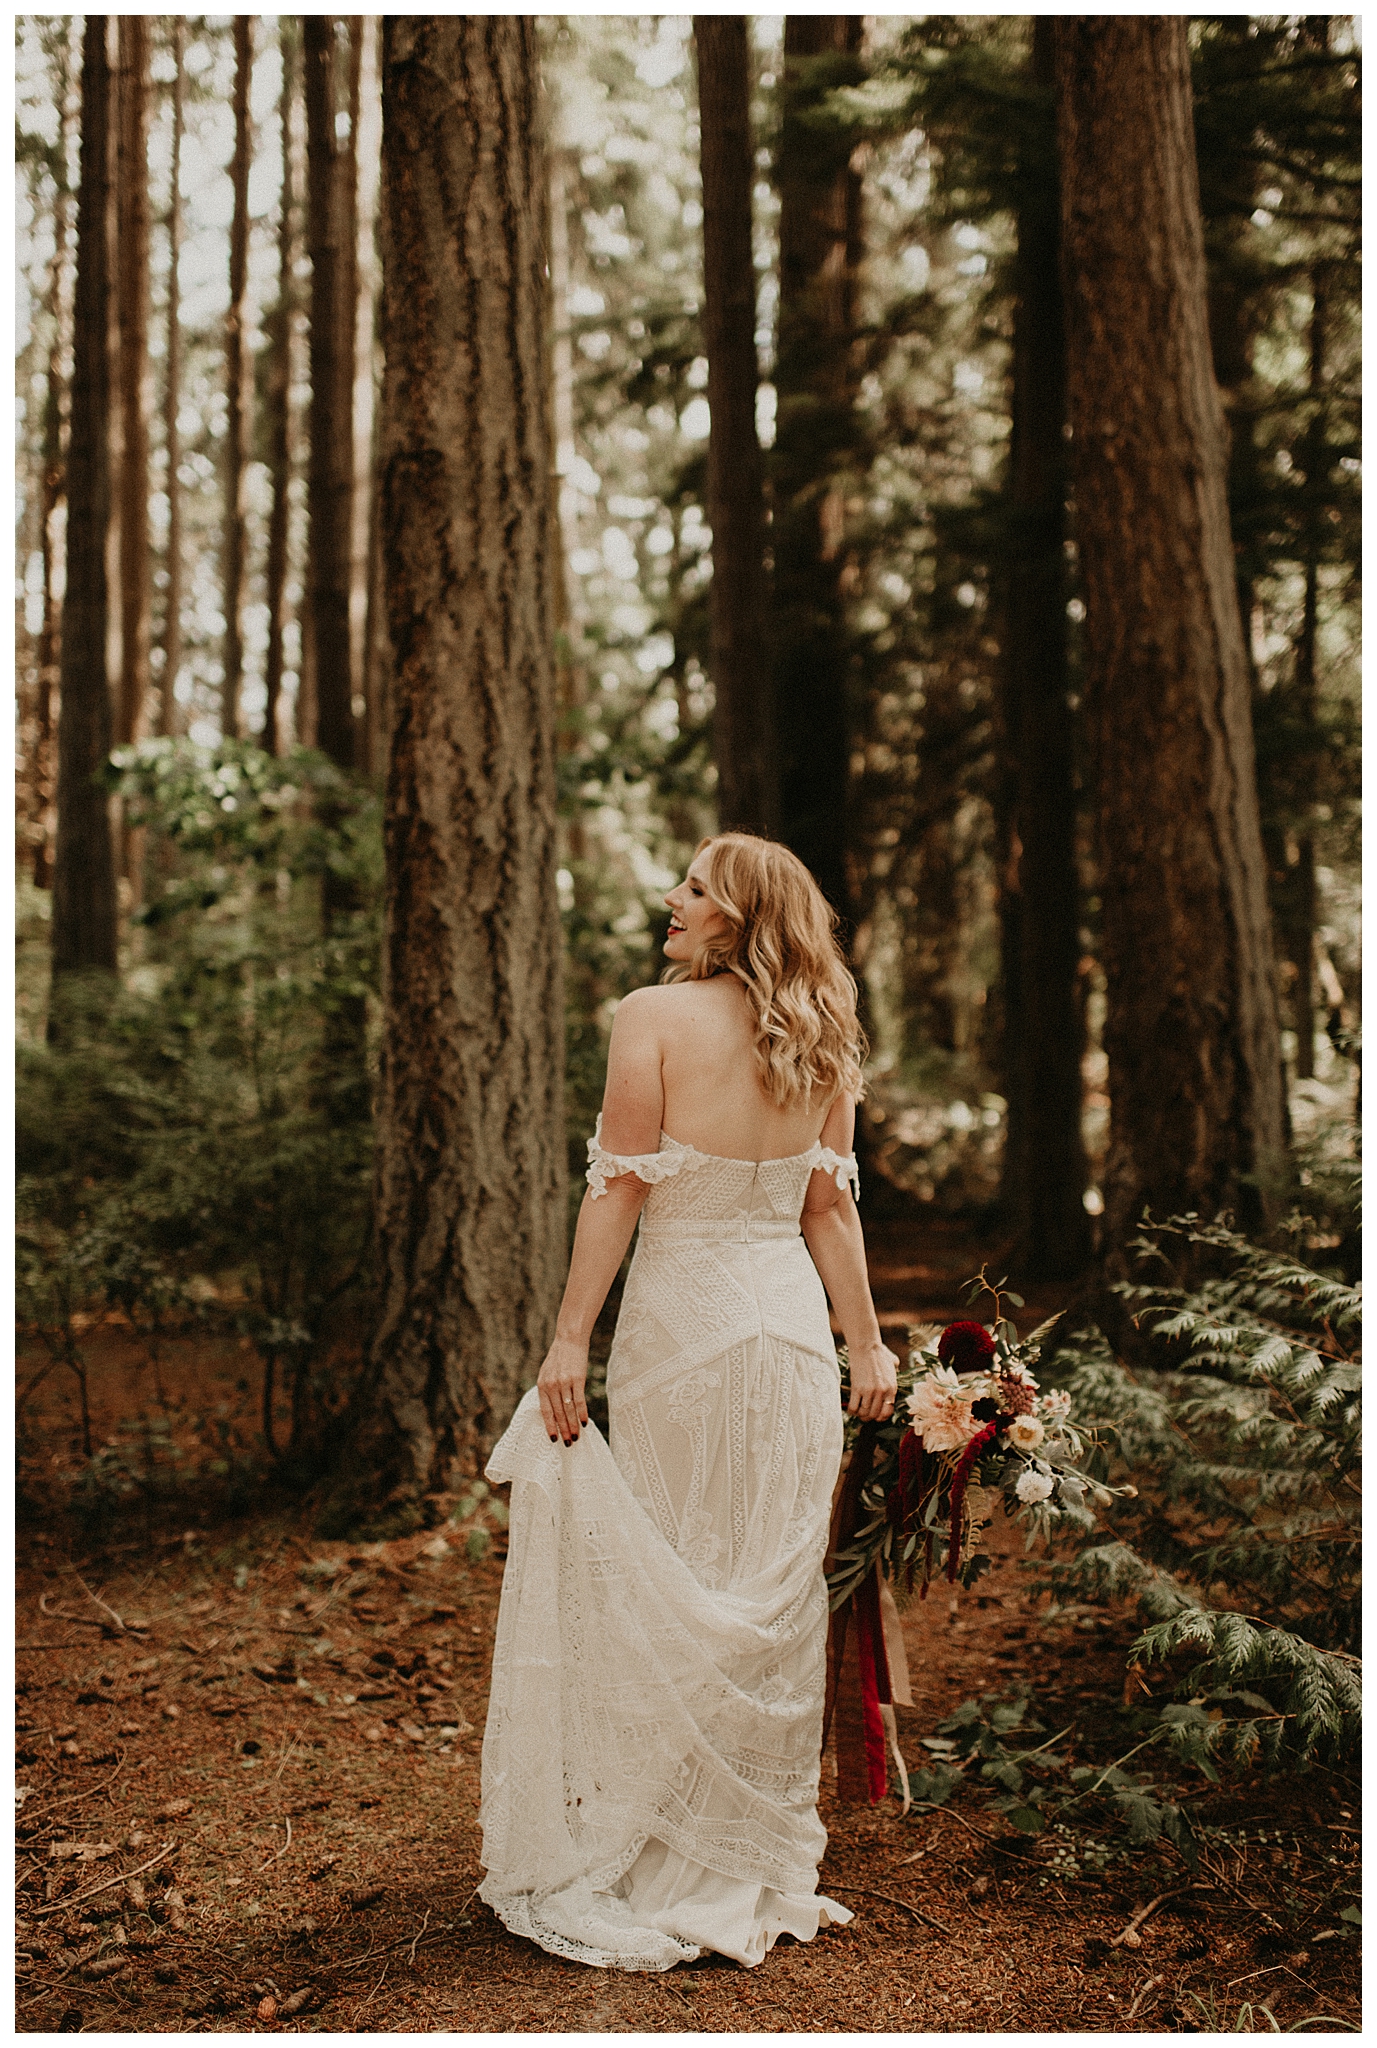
{"x": 841, "y": 1169}
{"x": 654, "y": 1167}
{"x": 650, "y": 1766}
{"x": 651, "y": 1167}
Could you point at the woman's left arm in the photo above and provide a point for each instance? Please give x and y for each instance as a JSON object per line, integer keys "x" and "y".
{"x": 632, "y": 1108}
{"x": 832, "y": 1232}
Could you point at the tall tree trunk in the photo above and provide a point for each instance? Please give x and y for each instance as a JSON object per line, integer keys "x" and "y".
{"x": 168, "y": 712}
{"x": 819, "y": 222}
{"x": 366, "y": 127}
{"x": 1047, "y": 1178}
{"x": 743, "y": 725}
{"x": 1300, "y": 889}
{"x": 471, "y": 1169}
{"x": 131, "y": 189}
{"x": 1195, "y": 1082}
{"x": 53, "y": 490}
{"x": 331, "y": 233}
{"x": 237, "y": 385}
{"x": 279, "y": 398}
{"x": 83, "y": 923}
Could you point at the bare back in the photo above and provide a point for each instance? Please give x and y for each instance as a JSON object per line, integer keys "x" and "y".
{"x": 695, "y": 1038}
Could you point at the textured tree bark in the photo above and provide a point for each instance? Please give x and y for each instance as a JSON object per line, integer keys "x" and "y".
{"x": 1197, "y": 1116}
{"x": 278, "y": 397}
{"x": 237, "y": 385}
{"x": 743, "y": 721}
{"x": 168, "y": 713}
{"x": 54, "y": 490}
{"x": 83, "y": 922}
{"x": 471, "y": 1168}
{"x": 1299, "y": 891}
{"x": 819, "y": 249}
{"x": 365, "y": 576}
{"x": 131, "y": 189}
{"x": 331, "y": 234}
{"x": 1046, "y": 1181}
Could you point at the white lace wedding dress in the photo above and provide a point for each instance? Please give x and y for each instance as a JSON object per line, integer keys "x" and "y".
{"x": 650, "y": 1766}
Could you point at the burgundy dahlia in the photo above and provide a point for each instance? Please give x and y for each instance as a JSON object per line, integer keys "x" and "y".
{"x": 966, "y": 1347}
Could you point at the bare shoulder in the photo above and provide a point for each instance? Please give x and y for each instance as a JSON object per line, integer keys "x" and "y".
{"x": 649, "y": 1009}
{"x": 640, "y": 1012}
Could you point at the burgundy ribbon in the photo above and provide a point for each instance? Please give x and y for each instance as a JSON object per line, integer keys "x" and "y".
{"x": 965, "y": 1465}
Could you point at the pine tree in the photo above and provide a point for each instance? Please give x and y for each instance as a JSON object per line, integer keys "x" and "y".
{"x": 1197, "y": 1116}
{"x": 331, "y": 185}
{"x": 815, "y": 444}
{"x": 53, "y": 487}
{"x": 237, "y": 384}
{"x": 168, "y": 715}
{"x": 471, "y": 1199}
{"x": 131, "y": 200}
{"x": 83, "y": 916}
{"x": 744, "y": 739}
{"x": 280, "y": 325}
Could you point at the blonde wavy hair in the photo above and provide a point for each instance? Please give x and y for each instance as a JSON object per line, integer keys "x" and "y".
{"x": 782, "y": 948}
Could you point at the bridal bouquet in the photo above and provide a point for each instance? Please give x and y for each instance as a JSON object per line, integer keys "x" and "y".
{"x": 969, "y": 1429}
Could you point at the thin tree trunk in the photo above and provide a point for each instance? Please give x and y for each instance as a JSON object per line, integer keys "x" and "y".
{"x": 83, "y": 922}
{"x": 1301, "y": 886}
{"x": 365, "y": 621}
{"x": 1048, "y": 1179}
{"x": 53, "y": 490}
{"x": 570, "y": 622}
{"x": 1197, "y": 1118}
{"x": 132, "y": 229}
{"x": 743, "y": 725}
{"x": 279, "y": 399}
{"x": 815, "y": 435}
{"x": 168, "y": 714}
{"x": 237, "y": 385}
{"x": 470, "y": 1191}
{"x": 331, "y": 232}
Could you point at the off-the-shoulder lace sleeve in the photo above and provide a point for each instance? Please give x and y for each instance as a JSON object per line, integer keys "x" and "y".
{"x": 650, "y": 1167}
{"x": 841, "y": 1169}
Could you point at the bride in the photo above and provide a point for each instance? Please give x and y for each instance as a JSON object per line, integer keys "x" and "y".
{"x": 650, "y": 1766}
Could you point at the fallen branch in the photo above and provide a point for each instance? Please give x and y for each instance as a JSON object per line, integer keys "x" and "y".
{"x": 990, "y": 1841}
{"x": 282, "y": 1851}
{"x": 1229, "y": 1885}
{"x": 1148, "y": 1984}
{"x": 66, "y": 1905}
{"x": 103, "y": 1605}
{"x": 411, "y": 1959}
{"x": 371, "y": 1955}
{"x": 1129, "y": 1936}
{"x": 42, "y": 1812}
{"x": 864, "y": 1891}
{"x": 75, "y": 1620}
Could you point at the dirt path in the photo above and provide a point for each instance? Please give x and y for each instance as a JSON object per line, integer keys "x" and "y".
{"x": 249, "y": 1778}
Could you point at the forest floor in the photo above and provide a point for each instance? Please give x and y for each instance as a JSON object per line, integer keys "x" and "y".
{"x": 248, "y": 1801}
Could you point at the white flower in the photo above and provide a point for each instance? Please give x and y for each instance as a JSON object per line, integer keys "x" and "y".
{"x": 1033, "y": 1485}
{"x": 1056, "y": 1405}
{"x": 1025, "y": 1432}
{"x": 941, "y": 1410}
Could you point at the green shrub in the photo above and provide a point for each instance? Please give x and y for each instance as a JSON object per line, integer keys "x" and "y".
{"x": 202, "y": 1134}
{"x": 1243, "y": 1547}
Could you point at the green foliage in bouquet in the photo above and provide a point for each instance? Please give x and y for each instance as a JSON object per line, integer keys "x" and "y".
{"x": 1243, "y": 1545}
{"x": 969, "y": 1430}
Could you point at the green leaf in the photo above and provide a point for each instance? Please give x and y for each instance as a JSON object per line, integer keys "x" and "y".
{"x": 1026, "y": 1819}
